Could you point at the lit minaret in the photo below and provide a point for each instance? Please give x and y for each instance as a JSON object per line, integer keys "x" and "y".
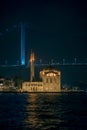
{"x": 32, "y": 59}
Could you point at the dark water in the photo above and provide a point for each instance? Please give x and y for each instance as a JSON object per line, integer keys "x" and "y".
{"x": 49, "y": 111}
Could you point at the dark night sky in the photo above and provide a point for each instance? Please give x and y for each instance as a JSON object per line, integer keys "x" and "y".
{"x": 56, "y": 30}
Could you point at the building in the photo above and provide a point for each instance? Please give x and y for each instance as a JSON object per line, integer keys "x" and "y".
{"x": 50, "y": 79}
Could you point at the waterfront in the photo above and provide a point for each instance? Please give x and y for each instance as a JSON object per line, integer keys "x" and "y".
{"x": 43, "y": 111}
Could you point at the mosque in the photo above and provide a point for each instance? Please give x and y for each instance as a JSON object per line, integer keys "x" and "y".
{"x": 50, "y": 79}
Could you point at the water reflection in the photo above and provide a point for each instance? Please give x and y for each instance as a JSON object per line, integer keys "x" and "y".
{"x": 43, "y": 111}
{"x": 32, "y": 116}
{"x": 46, "y": 111}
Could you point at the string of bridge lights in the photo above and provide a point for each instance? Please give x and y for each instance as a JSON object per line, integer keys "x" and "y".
{"x": 13, "y": 27}
{"x": 8, "y": 30}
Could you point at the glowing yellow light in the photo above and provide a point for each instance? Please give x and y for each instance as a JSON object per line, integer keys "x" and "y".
{"x": 51, "y": 74}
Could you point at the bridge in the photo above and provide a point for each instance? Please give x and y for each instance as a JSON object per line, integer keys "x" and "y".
{"x": 46, "y": 64}
{"x": 38, "y": 62}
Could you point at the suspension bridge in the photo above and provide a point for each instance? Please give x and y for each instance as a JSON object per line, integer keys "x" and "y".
{"x": 40, "y": 62}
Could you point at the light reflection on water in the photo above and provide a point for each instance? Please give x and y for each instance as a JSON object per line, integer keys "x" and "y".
{"x": 43, "y": 111}
{"x": 50, "y": 111}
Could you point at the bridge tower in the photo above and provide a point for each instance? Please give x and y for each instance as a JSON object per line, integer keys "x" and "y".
{"x": 22, "y": 44}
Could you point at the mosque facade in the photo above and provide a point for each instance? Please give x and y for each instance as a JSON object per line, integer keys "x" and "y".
{"x": 50, "y": 79}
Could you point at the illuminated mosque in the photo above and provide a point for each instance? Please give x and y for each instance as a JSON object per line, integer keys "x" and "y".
{"x": 50, "y": 79}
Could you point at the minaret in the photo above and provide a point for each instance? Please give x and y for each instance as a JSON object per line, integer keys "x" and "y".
{"x": 32, "y": 58}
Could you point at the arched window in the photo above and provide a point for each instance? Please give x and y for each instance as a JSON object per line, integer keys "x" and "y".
{"x": 46, "y": 80}
{"x": 50, "y": 80}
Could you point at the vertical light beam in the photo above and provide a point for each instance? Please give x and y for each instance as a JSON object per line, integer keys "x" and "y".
{"x": 22, "y": 44}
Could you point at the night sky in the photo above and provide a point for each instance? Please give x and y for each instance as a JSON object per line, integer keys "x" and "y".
{"x": 54, "y": 29}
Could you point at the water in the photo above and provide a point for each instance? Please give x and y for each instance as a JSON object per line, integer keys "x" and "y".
{"x": 43, "y": 111}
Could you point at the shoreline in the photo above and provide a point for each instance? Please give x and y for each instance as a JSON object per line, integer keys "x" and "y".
{"x": 63, "y": 91}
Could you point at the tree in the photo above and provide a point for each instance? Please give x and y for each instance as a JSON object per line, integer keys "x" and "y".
{"x": 18, "y": 82}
